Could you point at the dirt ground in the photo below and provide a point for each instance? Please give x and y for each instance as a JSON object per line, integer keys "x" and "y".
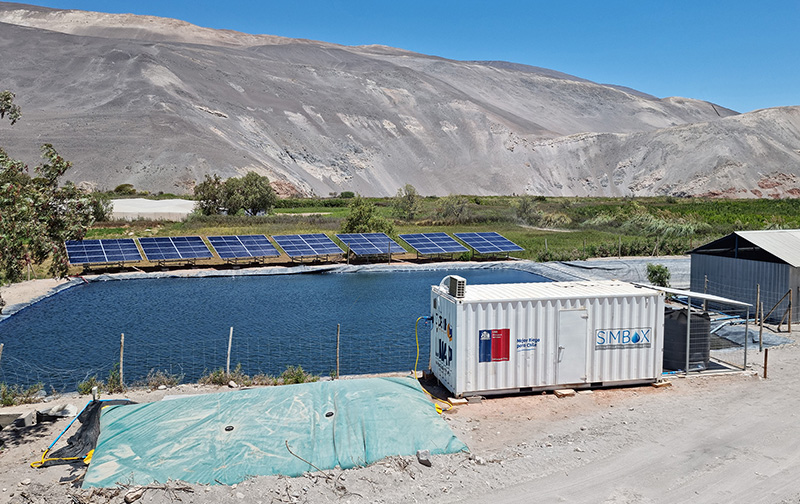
{"x": 713, "y": 438}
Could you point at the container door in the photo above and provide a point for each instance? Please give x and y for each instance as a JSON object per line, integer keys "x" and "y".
{"x": 572, "y": 341}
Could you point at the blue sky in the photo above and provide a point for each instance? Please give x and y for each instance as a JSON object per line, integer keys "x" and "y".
{"x": 743, "y": 55}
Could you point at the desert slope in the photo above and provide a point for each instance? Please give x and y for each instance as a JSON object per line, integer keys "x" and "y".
{"x": 159, "y": 103}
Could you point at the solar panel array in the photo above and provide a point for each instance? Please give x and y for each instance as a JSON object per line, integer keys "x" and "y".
{"x": 433, "y": 243}
{"x": 364, "y": 244}
{"x": 488, "y": 243}
{"x": 307, "y": 245}
{"x": 168, "y": 248}
{"x": 102, "y": 251}
{"x": 243, "y": 246}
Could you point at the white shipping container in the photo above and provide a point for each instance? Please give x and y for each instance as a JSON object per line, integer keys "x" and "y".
{"x": 542, "y": 336}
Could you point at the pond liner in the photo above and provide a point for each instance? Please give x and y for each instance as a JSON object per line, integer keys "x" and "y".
{"x": 227, "y": 437}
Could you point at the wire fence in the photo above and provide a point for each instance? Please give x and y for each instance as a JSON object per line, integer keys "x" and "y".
{"x": 188, "y": 359}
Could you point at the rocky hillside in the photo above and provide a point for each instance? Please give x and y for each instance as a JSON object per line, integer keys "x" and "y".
{"x": 159, "y": 103}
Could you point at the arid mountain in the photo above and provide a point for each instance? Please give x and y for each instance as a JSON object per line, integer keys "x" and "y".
{"x": 159, "y": 103}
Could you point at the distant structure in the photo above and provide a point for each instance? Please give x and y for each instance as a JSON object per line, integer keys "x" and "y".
{"x": 736, "y": 265}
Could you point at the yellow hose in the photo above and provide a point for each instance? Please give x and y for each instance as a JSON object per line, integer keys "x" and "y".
{"x": 416, "y": 362}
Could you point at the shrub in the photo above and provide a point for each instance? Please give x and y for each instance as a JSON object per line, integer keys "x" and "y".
{"x": 155, "y": 379}
{"x": 85, "y": 387}
{"x": 11, "y": 395}
{"x": 658, "y": 274}
{"x": 114, "y": 382}
{"x": 296, "y": 374}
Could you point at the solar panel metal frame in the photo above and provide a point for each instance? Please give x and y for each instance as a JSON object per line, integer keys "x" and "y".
{"x": 307, "y": 245}
{"x": 433, "y": 243}
{"x": 174, "y": 248}
{"x": 102, "y": 251}
{"x": 232, "y": 247}
{"x": 488, "y": 242}
{"x": 367, "y": 244}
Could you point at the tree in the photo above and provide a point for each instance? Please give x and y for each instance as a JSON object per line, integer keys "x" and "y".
{"x": 454, "y": 209}
{"x": 658, "y": 275}
{"x": 209, "y": 195}
{"x": 406, "y": 203}
{"x": 364, "y": 218}
{"x": 36, "y": 214}
{"x": 251, "y": 195}
{"x": 7, "y": 107}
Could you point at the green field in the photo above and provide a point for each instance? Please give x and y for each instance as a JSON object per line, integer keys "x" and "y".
{"x": 548, "y": 228}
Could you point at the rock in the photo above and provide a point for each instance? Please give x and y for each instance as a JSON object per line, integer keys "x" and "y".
{"x": 424, "y": 457}
{"x": 564, "y": 392}
{"x": 62, "y": 410}
{"x": 240, "y": 495}
{"x": 162, "y": 387}
{"x": 134, "y": 495}
{"x": 26, "y": 481}
{"x": 474, "y": 399}
{"x": 233, "y": 384}
{"x": 460, "y": 401}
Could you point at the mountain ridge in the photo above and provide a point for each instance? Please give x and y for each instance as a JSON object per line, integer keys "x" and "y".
{"x": 128, "y": 106}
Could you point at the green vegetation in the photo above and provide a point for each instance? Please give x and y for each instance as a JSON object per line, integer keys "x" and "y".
{"x": 293, "y": 374}
{"x": 11, "y": 395}
{"x": 364, "y": 218}
{"x": 85, "y": 387}
{"x": 37, "y": 214}
{"x": 248, "y": 195}
{"x": 157, "y": 378}
{"x": 658, "y": 274}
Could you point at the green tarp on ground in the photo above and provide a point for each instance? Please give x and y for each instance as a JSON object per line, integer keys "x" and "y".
{"x": 227, "y": 437}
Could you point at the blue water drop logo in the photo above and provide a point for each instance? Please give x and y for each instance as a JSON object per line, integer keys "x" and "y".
{"x": 636, "y": 338}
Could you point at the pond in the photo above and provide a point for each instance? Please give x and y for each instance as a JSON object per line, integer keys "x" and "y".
{"x": 181, "y": 325}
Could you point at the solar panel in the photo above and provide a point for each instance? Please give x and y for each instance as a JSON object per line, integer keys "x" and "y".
{"x": 241, "y": 246}
{"x": 305, "y": 245}
{"x": 370, "y": 243}
{"x": 487, "y": 243}
{"x": 433, "y": 243}
{"x": 102, "y": 251}
{"x": 169, "y": 248}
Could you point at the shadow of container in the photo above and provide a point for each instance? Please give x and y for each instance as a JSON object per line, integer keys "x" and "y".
{"x": 675, "y": 340}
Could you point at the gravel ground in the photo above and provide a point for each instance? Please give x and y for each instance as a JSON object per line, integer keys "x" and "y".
{"x": 707, "y": 438}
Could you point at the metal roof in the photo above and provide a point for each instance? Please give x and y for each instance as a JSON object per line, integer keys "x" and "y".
{"x": 551, "y": 290}
{"x": 782, "y": 243}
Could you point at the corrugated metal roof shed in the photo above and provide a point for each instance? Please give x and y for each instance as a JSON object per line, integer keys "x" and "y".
{"x": 778, "y": 245}
{"x": 782, "y": 243}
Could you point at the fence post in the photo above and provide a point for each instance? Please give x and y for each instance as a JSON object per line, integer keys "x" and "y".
{"x": 1, "y": 351}
{"x": 338, "y": 327}
{"x": 790, "y": 311}
{"x": 766, "y": 355}
{"x": 228, "y": 363}
{"x": 705, "y": 291}
{"x": 121, "y": 356}
{"x": 760, "y": 330}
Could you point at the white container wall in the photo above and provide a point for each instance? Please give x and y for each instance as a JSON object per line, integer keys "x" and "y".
{"x": 539, "y": 336}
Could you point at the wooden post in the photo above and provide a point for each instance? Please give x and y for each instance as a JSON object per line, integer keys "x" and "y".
{"x": 790, "y": 311}
{"x": 766, "y": 355}
{"x": 338, "y": 327}
{"x": 1, "y": 351}
{"x": 545, "y": 244}
{"x": 121, "y": 356}
{"x": 619, "y": 247}
{"x": 228, "y": 364}
{"x": 760, "y": 330}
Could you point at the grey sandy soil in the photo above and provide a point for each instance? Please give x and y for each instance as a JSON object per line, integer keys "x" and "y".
{"x": 708, "y": 439}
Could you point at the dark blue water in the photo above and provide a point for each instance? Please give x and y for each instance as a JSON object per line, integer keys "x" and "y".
{"x": 181, "y": 325}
